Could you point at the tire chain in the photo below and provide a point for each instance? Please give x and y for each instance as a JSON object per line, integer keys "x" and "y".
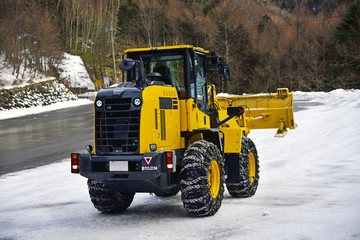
{"x": 194, "y": 170}
{"x": 244, "y": 188}
{"x": 107, "y": 199}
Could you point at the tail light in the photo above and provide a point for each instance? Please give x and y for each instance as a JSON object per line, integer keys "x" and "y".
{"x": 75, "y": 168}
{"x": 170, "y": 161}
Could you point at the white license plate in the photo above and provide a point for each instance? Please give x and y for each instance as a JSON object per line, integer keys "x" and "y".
{"x": 118, "y": 166}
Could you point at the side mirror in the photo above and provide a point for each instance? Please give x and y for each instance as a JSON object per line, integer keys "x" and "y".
{"x": 126, "y": 64}
{"x": 224, "y": 70}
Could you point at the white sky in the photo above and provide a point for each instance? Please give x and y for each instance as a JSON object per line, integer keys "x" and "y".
{"x": 309, "y": 189}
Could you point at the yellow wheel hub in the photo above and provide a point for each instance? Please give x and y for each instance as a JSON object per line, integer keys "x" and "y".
{"x": 214, "y": 178}
{"x": 252, "y": 167}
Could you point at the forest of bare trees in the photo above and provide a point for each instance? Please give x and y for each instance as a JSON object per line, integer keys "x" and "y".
{"x": 309, "y": 46}
{"x": 29, "y": 37}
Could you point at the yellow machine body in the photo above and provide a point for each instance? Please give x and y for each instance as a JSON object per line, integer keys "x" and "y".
{"x": 162, "y": 125}
{"x": 163, "y": 129}
{"x": 274, "y": 110}
{"x": 172, "y": 122}
{"x": 164, "y": 117}
{"x": 160, "y": 119}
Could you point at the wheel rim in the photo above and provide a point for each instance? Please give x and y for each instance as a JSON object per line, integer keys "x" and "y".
{"x": 214, "y": 178}
{"x": 251, "y": 166}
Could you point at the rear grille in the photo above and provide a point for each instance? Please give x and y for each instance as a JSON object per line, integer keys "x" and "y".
{"x": 117, "y": 128}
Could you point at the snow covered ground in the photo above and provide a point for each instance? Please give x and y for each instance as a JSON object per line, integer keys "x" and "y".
{"x": 309, "y": 189}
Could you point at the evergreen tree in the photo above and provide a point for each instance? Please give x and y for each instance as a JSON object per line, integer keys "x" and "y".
{"x": 346, "y": 66}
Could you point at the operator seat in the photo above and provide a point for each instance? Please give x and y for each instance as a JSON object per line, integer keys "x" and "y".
{"x": 165, "y": 74}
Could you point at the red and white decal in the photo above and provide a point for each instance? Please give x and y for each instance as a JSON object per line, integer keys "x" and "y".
{"x": 147, "y": 160}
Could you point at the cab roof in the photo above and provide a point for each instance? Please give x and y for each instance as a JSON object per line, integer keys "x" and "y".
{"x": 198, "y": 49}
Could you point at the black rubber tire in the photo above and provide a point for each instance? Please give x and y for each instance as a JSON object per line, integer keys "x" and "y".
{"x": 171, "y": 193}
{"x": 108, "y": 200}
{"x": 244, "y": 187}
{"x": 195, "y": 193}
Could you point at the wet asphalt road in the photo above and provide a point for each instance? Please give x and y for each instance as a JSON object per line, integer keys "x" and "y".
{"x": 44, "y": 138}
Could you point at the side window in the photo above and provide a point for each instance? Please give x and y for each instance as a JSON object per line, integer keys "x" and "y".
{"x": 200, "y": 79}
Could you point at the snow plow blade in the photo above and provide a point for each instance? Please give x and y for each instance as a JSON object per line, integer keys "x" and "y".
{"x": 274, "y": 110}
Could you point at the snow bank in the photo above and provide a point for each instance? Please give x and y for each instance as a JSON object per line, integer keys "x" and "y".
{"x": 329, "y": 97}
{"x": 14, "y": 113}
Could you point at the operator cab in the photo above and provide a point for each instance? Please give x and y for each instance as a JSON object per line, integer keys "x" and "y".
{"x": 181, "y": 67}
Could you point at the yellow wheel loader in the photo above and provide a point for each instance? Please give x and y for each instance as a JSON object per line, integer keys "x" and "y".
{"x": 163, "y": 130}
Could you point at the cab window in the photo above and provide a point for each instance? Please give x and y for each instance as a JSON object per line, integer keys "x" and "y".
{"x": 169, "y": 65}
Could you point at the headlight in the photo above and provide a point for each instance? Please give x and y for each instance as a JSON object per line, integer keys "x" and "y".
{"x": 137, "y": 102}
{"x": 99, "y": 103}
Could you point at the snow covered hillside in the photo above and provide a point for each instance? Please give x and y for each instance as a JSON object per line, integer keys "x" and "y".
{"x": 24, "y": 95}
{"x": 9, "y": 80}
{"x": 71, "y": 69}
{"x": 309, "y": 189}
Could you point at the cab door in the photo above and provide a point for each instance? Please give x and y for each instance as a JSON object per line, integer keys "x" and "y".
{"x": 198, "y": 83}
{"x": 197, "y": 107}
